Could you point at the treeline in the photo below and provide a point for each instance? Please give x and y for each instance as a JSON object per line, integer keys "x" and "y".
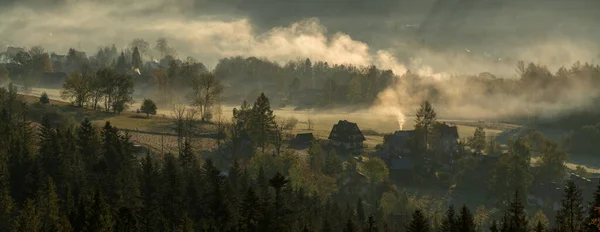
{"x": 304, "y": 82}
{"x": 106, "y": 86}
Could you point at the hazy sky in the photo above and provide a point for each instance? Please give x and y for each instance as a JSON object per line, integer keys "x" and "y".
{"x": 446, "y": 35}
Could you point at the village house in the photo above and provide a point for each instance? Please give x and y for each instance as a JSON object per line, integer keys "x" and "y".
{"x": 397, "y": 144}
{"x": 448, "y": 138}
{"x": 346, "y": 135}
{"x": 303, "y": 140}
{"x": 13, "y": 51}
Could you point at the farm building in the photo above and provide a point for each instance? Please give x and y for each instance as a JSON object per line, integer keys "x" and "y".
{"x": 13, "y": 51}
{"x": 397, "y": 143}
{"x": 346, "y": 135}
{"x": 449, "y": 137}
{"x": 304, "y": 139}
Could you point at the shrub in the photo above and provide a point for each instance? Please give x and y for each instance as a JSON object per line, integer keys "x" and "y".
{"x": 44, "y": 99}
{"x": 148, "y": 107}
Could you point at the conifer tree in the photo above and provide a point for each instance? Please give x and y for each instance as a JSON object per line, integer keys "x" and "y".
{"x": 150, "y": 215}
{"x": 88, "y": 143}
{"x": 372, "y": 226}
{"x": 570, "y": 217}
{"x": 173, "y": 195}
{"x": 100, "y": 219}
{"x": 218, "y": 205}
{"x": 48, "y": 207}
{"x": 517, "y": 220}
{"x": 350, "y": 227}
{"x": 136, "y": 58}
{"x": 126, "y": 220}
{"x": 494, "y": 226}
{"x": 418, "y": 223}
{"x": 425, "y": 120}
{"x": 360, "y": 213}
{"x": 539, "y": 227}
{"x": 466, "y": 222}
{"x": 449, "y": 223}
{"x": 326, "y": 226}
{"x": 6, "y": 201}
{"x": 28, "y": 220}
{"x": 262, "y": 124}
{"x": 279, "y": 182}
{"x": 250, "y": 209}
{"x": 593, "y": 213}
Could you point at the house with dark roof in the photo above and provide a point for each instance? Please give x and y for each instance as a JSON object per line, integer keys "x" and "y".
{"x": 397, "y": 143}
{"x": 303, "y": 139}
{"x": 346, "y": 135}
{"x": 449, "y": 137}
{"x": 13, "y": 51}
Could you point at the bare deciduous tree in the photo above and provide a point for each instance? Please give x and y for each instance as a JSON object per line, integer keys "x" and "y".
{"x": 310, "y": 122}
{"x": 178, "y": 113}
{"x": 279, "y": 136}
{"x": 206, "y": 91}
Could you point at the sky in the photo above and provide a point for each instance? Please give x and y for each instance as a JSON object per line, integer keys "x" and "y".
{"x": 433, "y": 36}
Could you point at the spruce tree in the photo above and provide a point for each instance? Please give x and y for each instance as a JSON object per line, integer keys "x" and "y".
{"x": 28, "y": 220}
{"x": 425, "y": 120}
{"x": 350, "y": 227}
{"x": 136, "y": 58}
{"x": 262, "y": 122}
{"x": 418, "y": 223}
{"x": 326, "y": 226}
{"x": 372, "y": 226}
{"x": 216, "y": 196}
{"x": 360, "y": 212}
{"x": 517, "y": 220}
{"x": 48, "y": 207}
{"x": 449, "y": 223}
{"x": 88, "y": 143}
{"x": 570, "y": 217}
{"x": 539, "y": 227}
{"x": 279, "y": 182}
{"x": 250, "y": 210}
{"x": 173, "y": 193}
{"x": 100, "y": 219}
{"x": 494, "y": 226}
{"x": 6, "y": 201}
{"x": 593, "y": 213}
{"x": 150, "y": 214}
{"x": 126, "y": 220}
{"x": 466, "y": 222}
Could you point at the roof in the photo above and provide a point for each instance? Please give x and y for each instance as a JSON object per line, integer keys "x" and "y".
{"x": 12, "y": 51}
{"x": 398, "y": 139}
{"x": 345, "y": 131}
{"x": 401, "y": 163}
{"x": 304, "y": 137}
{"x": 447, "y": 130}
